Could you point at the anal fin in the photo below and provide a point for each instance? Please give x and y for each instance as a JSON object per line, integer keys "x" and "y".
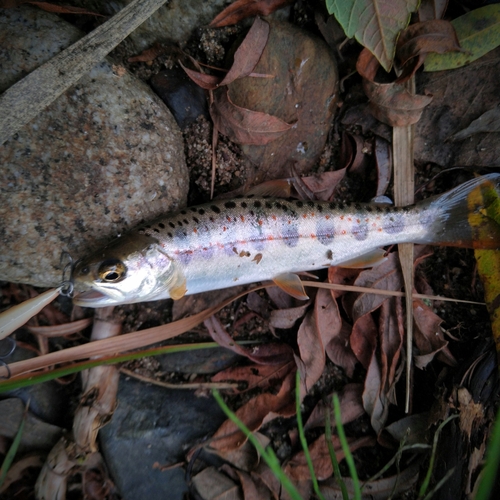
{"x": 369, "y": 259}
{"x": 291, "y": 284}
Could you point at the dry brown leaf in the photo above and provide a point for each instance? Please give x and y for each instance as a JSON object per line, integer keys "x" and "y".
{"x": 340, "y": 352}
{"x": 252, "y": 414}
{"x": 431, "y": 9}
{"x": 383, "y": 160}
{"x": 297, "y": 468}
{"x": 205, "y": 81}
{"x": 428, "y": 336}
{"x": 262, "y": 376}
{"x": 247, "y": 55}
{"x": 323, "y": 185}
{"x": 351, "y": 407}
{"x": 419, "y": 39}
{"x": 286, "y": 318}
{"x": 275, "y": 354}
{"x": 312, "y": 354}
{"x": 148, "y": 55}
{"x": 214, "y": 485}
{"x": 241, "y": 9}
{"x": 58, "y": 9}
{"x": 243, "y": 125}
{"x": 364, "y": 339}
{"x": 390, "y": 103}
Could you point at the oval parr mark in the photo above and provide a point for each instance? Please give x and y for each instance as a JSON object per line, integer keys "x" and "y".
{"x": 393, "y": 223}
{"x": 360, "y": 230}
{"x": 325, "y": 231}
{"x": 290, "y": 236}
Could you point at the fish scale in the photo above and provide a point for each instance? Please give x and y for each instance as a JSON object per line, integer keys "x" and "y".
{"x": 248, "y": 239}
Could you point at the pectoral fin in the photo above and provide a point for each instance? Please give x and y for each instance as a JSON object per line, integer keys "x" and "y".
{"x": 291, "y": 284}
{"x": 370, "y": 259}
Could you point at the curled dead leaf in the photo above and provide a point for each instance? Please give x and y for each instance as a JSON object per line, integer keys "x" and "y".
{"x": 390, "y": 103}
{"x": 241, "y": 9}
{"x": 242, "y": 125}
{"x": 420, "y": 39}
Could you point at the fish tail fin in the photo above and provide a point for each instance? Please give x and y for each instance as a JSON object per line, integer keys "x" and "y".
{"x": 469, "y": 215}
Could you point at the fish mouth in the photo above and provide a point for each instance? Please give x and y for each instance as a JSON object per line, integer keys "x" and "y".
{"x": 93, "y": 298}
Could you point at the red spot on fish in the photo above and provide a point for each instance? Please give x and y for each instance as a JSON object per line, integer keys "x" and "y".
{"x": 341, "y": 217}
{"x": 313, "y": 214}
{"x": 349, "y": 219}
{"x": 367, "y": 220}
{"x": 242, "y": 218}
{"x": 343, "y": 231}
{"x": 358, "y": 221}
{"x": 379, "y": 229}
{"x": 228, "y": 218}
{"x": 274, "y": 217}
{"x": 289, "y": 222}
{"x": 327, "y": 217}
{"x": 270, "y": 237}
{"x": 195, "y": 230}
{"x": 259, "y": 222}
{"x": 304, "y": 216}
{"x": 224, "y": 228}
{"x": 313, "y": 236}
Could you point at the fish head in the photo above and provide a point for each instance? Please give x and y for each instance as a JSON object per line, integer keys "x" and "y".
{"x": 133, "y": 268}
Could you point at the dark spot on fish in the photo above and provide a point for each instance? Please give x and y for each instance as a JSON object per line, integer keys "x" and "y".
{"x": 388, "y": 210}
{"x": 244, "y": 204}
{"x": 161, "y": 225}
{"x": 332, "y": 206}
{"x": 319, "y": 208}
{"x": 257, "y": 204}
{"x": 329, "y": 254}
{"x": 278, "y": 205}
{"x": 183, "y": 212}
{"x": 156, "y": 230}
{"x": 299, "y": 203}
{"x": 310, "y": 203}
{"x": 180, "y": 234}
{"x": 360, "y": 230}
{"x": 193, "y": 209}
{"x": 325, "y": 231}
{"x": 268, "y": 205}
{"x": 369, "y": 208}
{"x": 394, "y": 224}
{"x": 201, "y": 211}
{"x": 172, "y": 225}
{"x": 378, "y": 209}
{"x": 250, "y": 196}
{"x": 211, "y": 219}
{"x": 148, "y": 226}
{"x": 252, "y": 213}
{"x": 235, "y": 250}
{"x": 230, "y": 204}
{"x": 197, "y": 221}
{"x": 170, "y": 235}
{"x": 357, "y": 207}
{"x": 290, "y": 236}
{"x": 179, "y": 223}
{"x": 215, "y": 208}
{"x": 185, "y": 221}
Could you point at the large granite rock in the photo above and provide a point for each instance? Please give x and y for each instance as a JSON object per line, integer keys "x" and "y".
{"x": 103, "y": 156}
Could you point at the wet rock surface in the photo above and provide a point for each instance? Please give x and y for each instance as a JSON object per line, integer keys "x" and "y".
{"x": 105, "y": 155}
{"x": 303, "y": 90}
{"x": 453, "y": 108}
{"x": 151, "y": 429}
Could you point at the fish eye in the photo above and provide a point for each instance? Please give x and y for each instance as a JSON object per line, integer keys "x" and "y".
{"x": 112, "y": 270}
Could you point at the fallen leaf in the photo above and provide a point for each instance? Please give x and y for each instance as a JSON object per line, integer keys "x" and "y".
{"x": 247, "y": 55}
{"x": 411, "y": 429}
{"x": 374, "y": 24}
{"x": 487, "y": 122}
{"x": 286, "y": 318}
{"x": 262, "y": 376}
{"x": 243, "y": 125}
{"x": 60, "y": 9}
{"x": 478, "y": 32}
{"x": 383, "y": 160}
{"x": 420, "y": 39}
{"x": 263, "y": 354}
{"x": 297, "y": 468}
{"x": 213, "y": 485}
{"x": 390, "y": 103}
{"x": 203, "y": 80}
{"x": 323, "y": 185}
{"x": 253, "y": 413}
{"x": 148, "y": 55}
{"x": 312, "y": 353}
{"x": 428, "y": 336}
{"x": 241, "y": 9}
{"x": 431, "y": 9}
{"x": 351, "y": 407}
{"x": 364, "y": 339}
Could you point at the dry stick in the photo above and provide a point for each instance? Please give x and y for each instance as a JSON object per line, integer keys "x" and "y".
{"x": 404, "y": 194}
{"x": 26, "y": 99}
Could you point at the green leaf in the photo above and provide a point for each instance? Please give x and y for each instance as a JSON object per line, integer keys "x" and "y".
{"x": 374, "y": 23}
{"x": 478, "y": 32}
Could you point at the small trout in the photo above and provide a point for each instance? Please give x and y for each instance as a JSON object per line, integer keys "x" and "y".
{"x": 248, "y": 239}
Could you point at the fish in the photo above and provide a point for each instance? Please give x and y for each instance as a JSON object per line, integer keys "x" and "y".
{"x": 259, "y": 238}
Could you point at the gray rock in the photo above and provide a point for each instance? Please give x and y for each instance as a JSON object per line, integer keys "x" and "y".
{"x": 154, "y": 425}
{"x": 103, "y": 156}
{"x": 175, "y": 21}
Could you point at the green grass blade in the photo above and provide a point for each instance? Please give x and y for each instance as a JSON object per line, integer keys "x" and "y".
{"x": 427, "y": 479}
{"x": 9, "y": 458}
{"x": 267, "y": 454}
{"x": 490, "y": 471}
{"x": 302, "y": 437}
{"x": 333, "y": 457}
{"x": 345, "y": 447}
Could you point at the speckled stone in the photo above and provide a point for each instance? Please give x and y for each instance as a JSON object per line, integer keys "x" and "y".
{"x": 103, "y": 156}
